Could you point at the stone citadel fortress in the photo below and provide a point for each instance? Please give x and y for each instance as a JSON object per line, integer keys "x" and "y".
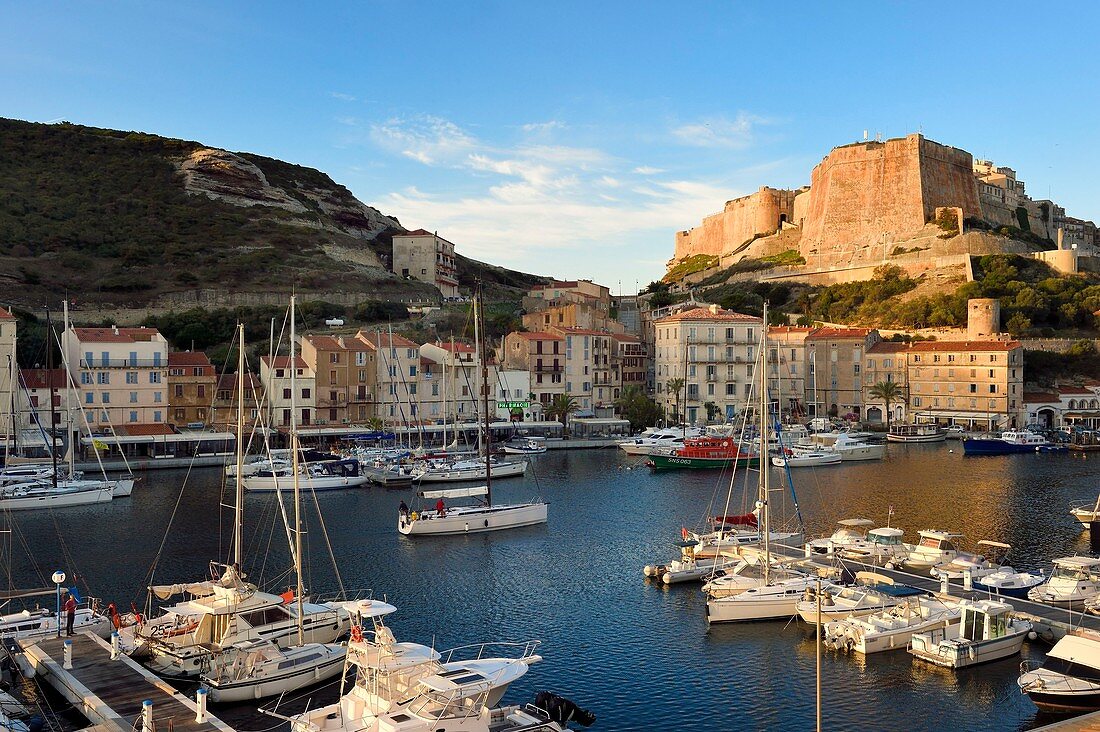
{"x": 907, "y": 201}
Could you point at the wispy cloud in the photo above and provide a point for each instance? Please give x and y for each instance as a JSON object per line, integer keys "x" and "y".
{"x": 647, "y": 170}
{"x": 720, "y": 131}
{"x": 547, "y": 126}
{"x": 341, "y": 96}
{"x": 425, "y": 138}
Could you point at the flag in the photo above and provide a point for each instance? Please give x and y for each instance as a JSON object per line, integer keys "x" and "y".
{"x": 99, "y": 444}
{"x": 684, "y": 533}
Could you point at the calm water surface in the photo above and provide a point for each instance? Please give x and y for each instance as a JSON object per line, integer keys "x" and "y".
{"x": 638, "y": 654}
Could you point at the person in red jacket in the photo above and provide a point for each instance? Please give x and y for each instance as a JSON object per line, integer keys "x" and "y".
{"x": 70, "y": 613}
{"x": 441, "y": 508}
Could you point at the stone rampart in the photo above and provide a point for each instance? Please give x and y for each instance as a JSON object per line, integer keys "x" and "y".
{"x": 739, "y": 221}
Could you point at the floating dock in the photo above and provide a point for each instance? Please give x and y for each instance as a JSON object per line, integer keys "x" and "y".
{"x": 114, "y": 693}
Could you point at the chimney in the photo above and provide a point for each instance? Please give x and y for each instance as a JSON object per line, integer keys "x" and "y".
{"x": 114, "y": 329}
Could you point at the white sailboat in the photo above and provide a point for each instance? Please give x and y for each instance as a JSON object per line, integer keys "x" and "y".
{"x": 482, "y": 516}
{"x": 772, "y": 598}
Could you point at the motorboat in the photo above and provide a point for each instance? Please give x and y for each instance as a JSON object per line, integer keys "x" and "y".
{"x": 321, "y": 476}
{"x": 1087, "y": 513}
{"x": 659, "y": 440}
{"x": 852, "y": 449}
{"x": 469, "y": 519}
{"x": 703, "y": 554}
{"x": 42, "y": 623}
{"x": 932, "y": 549}
{"x": 524, "y": 446}
{"x": 1008, "y": 582}
{"x": 915, "y": 433}
{"x": 890, "y": 629}
{"x": 468, "y": 470}
{"x": 1068, "y": 681}
{"x": 986, "y": 632}
{"x": 987, "y": 560}
{"x": 851, "y": 532}
{"x": 1072, "y": 582}
{"x": 872, "y": 593}
{"x": 882, "y": 547}
{"x": 1010, "y": 442}
{"x": 258, "y": 464}
{"x": 258, "y": 669}
{"x": 704, "y": 453}
{"x": 806, "y": 459}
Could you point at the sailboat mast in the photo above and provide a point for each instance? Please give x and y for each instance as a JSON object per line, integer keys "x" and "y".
{"x": 69, "y": 439}
{"x": 764, "y": 462}
{"x": 12, "y": 443}
{"x": 53, "y": 391}
{"x": 238, "y": 505}
{"x": 294, "y": 468}
{"x": 479, "y": 328}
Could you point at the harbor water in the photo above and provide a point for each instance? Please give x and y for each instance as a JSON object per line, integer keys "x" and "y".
{"x": 638, "y": 654}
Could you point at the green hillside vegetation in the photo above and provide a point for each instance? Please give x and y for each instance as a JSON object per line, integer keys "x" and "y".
{"x": 1046, "y": 367}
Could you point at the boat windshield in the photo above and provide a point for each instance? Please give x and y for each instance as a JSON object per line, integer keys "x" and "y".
{"x": 1069, "y": 573}
{"x": 881, "y": 539}
{"x": 930, "y": 542}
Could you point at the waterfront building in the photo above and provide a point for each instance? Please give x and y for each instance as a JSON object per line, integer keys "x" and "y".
{"x": 191, "y": 382}
{"x": 32, "y": 409}
{"x": 978, "y": 384}
{"x": 345, "y": 373}
{"x": 542, "y": 355}
{"x": 513, "y": 396}
{"x": 8, "y": 386}
{"x": 122, "y": 373}
{"x": 427, "y": 257}
{"x": 224, "y": 407}
{"x": 629, "y": 359}
{"x": 569, "y": 304}
{"x": 463, "y": 375}
{"x": 275, "y": 377}
{"x": 788, "y": 368}
{"x": 588, "y": 372}
{"x": 1069, "y": 405}
{"x": 713, "y": 351}
{"x": 835, "y": 364}
{"x": 886, "y": 361}
{"x": 396, "y": 368}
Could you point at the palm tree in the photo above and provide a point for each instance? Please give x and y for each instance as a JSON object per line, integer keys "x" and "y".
{"x": 376, "y": 424}
{"x": 889, "y": 392}
{"x": 676, "y": 386}
{"x": 560, "y": 407}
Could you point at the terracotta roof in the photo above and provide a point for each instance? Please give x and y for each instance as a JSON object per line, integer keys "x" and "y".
{"x": 188, "y": 358}
{"x": 626, "y": 338}
{"x": 539, "y": 336}
{"x": 416, "y": 232}
{"x": 143, "y": 430}
{"x": 706, "y": 314}
{"x": 282, "y": 362}
{"x": 457, "y": 347}
{"x": 383, "y": 340}
{"x": 115, "y": 335}
{"x": 6, "y": 314}
{"x": 1075, "y": 390}
{"x": 324, "y": 342}
{"x": 888, "y": 347}
{"x": 229, "y": 381}
{"x": 921, "y": 346}
{"x": 40, "y": 378}
{"x": 789, "y": 328}
{"x": 835, "y": 333}
{"x": 425, "y": 361}
{"x": 1039, "y": 396}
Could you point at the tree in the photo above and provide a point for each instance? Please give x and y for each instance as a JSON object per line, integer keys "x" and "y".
{"x": 889, "y": 392}
{"x": 676, "y": 386}
{"x": 639, "y": 409}
{"x": 560, "y": 407}
{"x": 1018, "y": 324}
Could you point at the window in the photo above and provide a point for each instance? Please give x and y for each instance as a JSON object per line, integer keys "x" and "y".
{"x": 86, "y": 378}
{"x": 334, "y": 358}
{"x": 202, "y": 391}
{"x": 104, "y": 377}
{"x": 157, "y": 397}
{"x": 158, "y": 416}
{"x": 973, "y": 388}
{"x": 133, "y": 416}
{"x": 178, "y": 389}
{"x": 992, "y": 403}
{"x": 332, "y": 377}
{"x": 286, "y": 393}
{"x": 88, "y": 397}
{"x": 133, "y": 397}
{"x": 992, "y": 388}
{"x": 731, "y": 389}
{"x": 131, "y": 377}
{"x": 856, "y": 368}
{"x": 154, "y": 377}
{"x": 156, "y": 362}
{"x": 991, "y": 373}
{"x": 936, "y": 358}
{"x": 105, "y": 358}
{"x": 412, "y": 371}
{"x": 916, "y": 401}
{"x": 306, "y": 393}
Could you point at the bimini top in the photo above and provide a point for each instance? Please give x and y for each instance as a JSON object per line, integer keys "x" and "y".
{"x": 887, "y": 531}
{"x": 1077, "y": 562}
{"x": 856, "y": 522}
{"x": 1082, "y": 650}
{"x": 455, "y": 492}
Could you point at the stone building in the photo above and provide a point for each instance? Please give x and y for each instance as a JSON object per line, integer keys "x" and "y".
{"x": 122, "y": 373}
{"x": 631, "y": 361}
{"x": 542, "y": 355}
{"x": 427, "y": 257}
{"x": 835, "y": 359}
{"x": 978, "y": 384}
{"x": 392, "y": 362}
{"x": 225, "y": 404}
{"x": 569, "y": 304}
{"x": 191, "y": 382}
{"x": 885, "y": 362}
{"x": 714, "y": 352}
{"x": 8, "y": 384}
{"x": 276, "y": 379}
{"x": 456, "y": 395}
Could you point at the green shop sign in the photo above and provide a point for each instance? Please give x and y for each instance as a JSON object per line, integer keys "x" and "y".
{"x": 513, "y": 405}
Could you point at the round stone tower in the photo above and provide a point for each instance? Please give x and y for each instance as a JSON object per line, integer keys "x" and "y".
{"x": 983, "y": 318}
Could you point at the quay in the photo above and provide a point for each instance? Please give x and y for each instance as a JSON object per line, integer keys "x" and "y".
{"x": 114, "y": 693}
{"x": 1084, "y": 723}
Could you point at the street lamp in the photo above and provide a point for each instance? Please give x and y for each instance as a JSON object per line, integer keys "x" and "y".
{"x": 58, "y": 579}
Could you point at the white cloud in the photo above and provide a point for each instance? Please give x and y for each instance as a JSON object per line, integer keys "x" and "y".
{"x": 647, "y": 170}
{"x": 342, "y": 96}
{"x": 427, "y": 139}
{"x": 720, "y": 131}
{"x": 543, "y": 126}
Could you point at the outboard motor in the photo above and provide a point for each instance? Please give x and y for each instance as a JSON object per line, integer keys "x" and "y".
{"x": 562, "y": 710}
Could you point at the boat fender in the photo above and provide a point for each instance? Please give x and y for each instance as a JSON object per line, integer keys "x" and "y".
{"x": 486, "y": 523}
{"x": 356, "y": 634}
{"x": 413, "y": 516}
{"x": 1032, "y": 635}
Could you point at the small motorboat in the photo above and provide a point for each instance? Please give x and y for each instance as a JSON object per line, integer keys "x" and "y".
{"x": 1068, "y": 681}
{"x": 1072, "y": 581}
{"x": 883, "y": 547}
{"x": 851, "y": 532}
{"x": 1011, "y": 442}
{"x": 890, "y": 629}
{"x": 1007, "y": 582}
{"x": 524, "y": 446}
{"x": 934, "y": 548}
{"x": 806, "y": 459}
{"x": 986, "y": 632}
{"x": 987, "y": 560}
{"x": 873, "y": 593}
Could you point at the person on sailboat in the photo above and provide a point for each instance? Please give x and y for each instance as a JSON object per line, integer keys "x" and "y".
{"x": 403, "y": 509}
{"x": 441, "y": 508}
{"x": 70, "y": 613}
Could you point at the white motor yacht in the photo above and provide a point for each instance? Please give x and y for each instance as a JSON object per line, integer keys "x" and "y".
{"x": 883, "y": 547}
{"x": 852, "y": 532}
{"x": 320, "y": 476}
{"x": 1068, "y": 681}
{"x": 933, "y": 548}
{"x": 1073, "y": 581}
{"x": 890, "y": 629}
{"x": 985, "y": 561}
{"x": 853, "y": 449}
{"x": 872, "y": 593}
{"x": 662, "y": 440}
{"x": 986, "y": 632}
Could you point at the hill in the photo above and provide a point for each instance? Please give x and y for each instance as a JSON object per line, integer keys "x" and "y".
{"x": 132, "y": 220}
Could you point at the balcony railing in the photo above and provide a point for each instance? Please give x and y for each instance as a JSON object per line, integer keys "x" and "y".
{"x": 123, "y": 363}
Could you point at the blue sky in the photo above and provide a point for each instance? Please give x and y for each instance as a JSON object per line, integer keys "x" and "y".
{"x": 571, "y": 138}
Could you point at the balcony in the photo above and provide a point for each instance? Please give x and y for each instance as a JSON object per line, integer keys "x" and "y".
{"x": 123, "y": 363}
{"x": 548, "y": 369}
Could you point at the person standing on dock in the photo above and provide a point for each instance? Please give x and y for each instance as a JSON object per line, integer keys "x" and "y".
{"x": 70, "y": 614}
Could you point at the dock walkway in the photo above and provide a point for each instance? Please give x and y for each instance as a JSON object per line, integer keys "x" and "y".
{"x": 111, "y": 692}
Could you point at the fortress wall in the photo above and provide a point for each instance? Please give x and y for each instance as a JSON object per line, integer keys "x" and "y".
{"x": 947, "y": 178}
{"x": 861, "y": 191}
{"x": 740, "y": 220}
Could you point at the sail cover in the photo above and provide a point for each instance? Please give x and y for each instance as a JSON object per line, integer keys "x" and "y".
{"x": 455, "y": 492}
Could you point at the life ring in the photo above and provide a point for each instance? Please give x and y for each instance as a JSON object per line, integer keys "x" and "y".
{"x": 356, "y": 634}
